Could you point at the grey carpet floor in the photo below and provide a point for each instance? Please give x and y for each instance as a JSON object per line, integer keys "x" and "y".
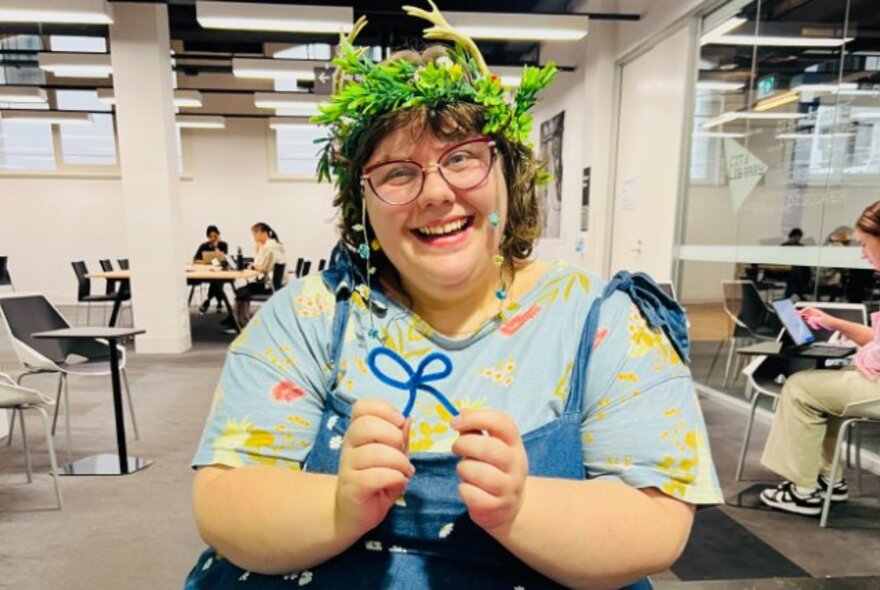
{"x": 136, "y": 532}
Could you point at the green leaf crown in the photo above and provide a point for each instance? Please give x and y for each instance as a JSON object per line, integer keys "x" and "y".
{"x": 364, "y": 90}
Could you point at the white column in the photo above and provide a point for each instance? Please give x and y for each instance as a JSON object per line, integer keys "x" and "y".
{"x": 139, "y": 46}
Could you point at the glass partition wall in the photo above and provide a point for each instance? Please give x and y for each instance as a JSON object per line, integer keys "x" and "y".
{"x": 785, "y": 154}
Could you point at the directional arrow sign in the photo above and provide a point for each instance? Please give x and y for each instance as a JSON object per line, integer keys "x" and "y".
{"x": 744, "y": 171}
{"x": 324, "y": 80}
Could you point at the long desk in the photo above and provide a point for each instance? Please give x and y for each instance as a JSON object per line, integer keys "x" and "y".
{"x": 196, "y": 272}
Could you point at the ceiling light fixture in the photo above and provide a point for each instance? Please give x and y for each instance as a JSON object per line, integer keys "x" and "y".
{"x": 722, "y": 29}
{"x": 720, "y": 135}
{"x": 182, "y": 98}
{"x": 197, "y": 122}
{"x": 776, "y": 101}
{"x": 303, "y": 103}
{"x": 76, "y": 65}
{"x": 538, "y": 27}
{"x": 812, "y": 135}
{"x": 865, "y": 115}
{"x": 47, "y": 117}
{"x": 719, "y": 85}
{"x": 733, "y": 116}
{"x": 773, "y": 41}
{"x": 274, "y": 17}
{"x": 22, "y": 94}
{"x": 292, "y": 123}
{"x": 825, "y": 87}
{"x": 272, "y": 69}
{"x": 83, "y": 12}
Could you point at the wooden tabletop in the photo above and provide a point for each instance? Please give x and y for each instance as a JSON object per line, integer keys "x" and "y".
{"x": 205, "y": 273}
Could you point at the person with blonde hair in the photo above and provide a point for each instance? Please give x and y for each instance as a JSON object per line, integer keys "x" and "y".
{"x": 438, "y": 408}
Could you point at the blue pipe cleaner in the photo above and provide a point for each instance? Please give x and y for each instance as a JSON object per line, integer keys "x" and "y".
{"x": 418, "y": 379}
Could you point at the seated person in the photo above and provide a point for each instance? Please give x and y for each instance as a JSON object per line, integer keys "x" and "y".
{"x": 802, "y": 438}
{"x": 270, "y": 251}
{"x": 214, "y": 244}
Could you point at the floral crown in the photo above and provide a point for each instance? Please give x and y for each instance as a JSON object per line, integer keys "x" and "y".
{"x": 364, "y": 90}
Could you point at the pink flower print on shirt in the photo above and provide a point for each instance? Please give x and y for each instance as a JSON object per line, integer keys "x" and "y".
{"x": 512, "y": 326}
{"x": 287, "y": 391}
{"x": 601, "y": 334}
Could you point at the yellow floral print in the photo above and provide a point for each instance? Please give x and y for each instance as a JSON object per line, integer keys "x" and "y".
{"x": 315, "y": 300}
{"x": 564, "y": 384}
{"x": 502, "y": 374}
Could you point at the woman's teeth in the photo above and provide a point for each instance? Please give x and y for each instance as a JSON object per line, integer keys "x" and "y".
{"x": 446, "y": 228}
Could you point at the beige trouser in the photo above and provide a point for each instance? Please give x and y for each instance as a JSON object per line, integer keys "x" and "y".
{"x": 807, "y": 420}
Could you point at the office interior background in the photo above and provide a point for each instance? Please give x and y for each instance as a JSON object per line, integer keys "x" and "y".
{"x": 687, "y": 139}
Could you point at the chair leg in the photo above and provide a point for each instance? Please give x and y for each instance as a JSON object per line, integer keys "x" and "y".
{"x": 192, "y": 291}
{"x": 67, "y": 420}
{"x": 838, "y": 444}
{"x": 134, "y": 423}
{"x": 849, "y": 446}
{"x": 729, "y": 361}
{"x": 858, "y": 451}
{"x": 714, "y": 360}
{"x": 11, "y": 430}
{"x": 88, "y": 314}
{"x": 52, "y": 460}
{"x": 27, "y": 453}
{"x": 747, "y": 435}
{"x": 57, "y": 401}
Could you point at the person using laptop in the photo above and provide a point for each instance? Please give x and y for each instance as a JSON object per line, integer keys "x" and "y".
{"x": 213, "y": 245}
{"x": 801, "y": 443}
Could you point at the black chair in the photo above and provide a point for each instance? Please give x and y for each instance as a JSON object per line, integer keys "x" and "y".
{"x": 84, "y": 291}
{"x": 307, "y": 265}
{"x": 277, "y": 282}
{"x": 123, "y": 263}
{"x": 299, "y": 267}
{"x": 5, "y": 279}
{"x": 322, "y": 264}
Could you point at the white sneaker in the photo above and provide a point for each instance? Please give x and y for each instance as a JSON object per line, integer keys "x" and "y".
{"x": 785, "y": 497}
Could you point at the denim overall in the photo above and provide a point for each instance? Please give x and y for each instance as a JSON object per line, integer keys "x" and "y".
{"x": 427, "y": 540}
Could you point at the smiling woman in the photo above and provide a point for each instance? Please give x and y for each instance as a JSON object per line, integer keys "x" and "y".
{"x": 461, "y": 414}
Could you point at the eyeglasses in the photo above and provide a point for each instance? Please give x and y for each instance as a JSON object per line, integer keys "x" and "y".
{"x": 463, "y": 166}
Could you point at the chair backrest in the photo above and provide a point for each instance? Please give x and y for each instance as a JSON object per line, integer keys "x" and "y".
{"x": 84, "y": 284}
{"x": 668, "y": 288}
{"x": 766, "y": 375}
{"x": 864, "y": 409}
{"x": 26, "y": 313}
{"x": 307, "y": 265}
{"x": 744, "y": 305}
{"x": 299, "y": 267}
{"x": 123, "y": 263}
{"x": 322, "y": 264}
{"x": 5, "y": 279}
{"x": 851, "y": 312}
{"x": 107, "y": 266}
{"x": 278, "y": 276}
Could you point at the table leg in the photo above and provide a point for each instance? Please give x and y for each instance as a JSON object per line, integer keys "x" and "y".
{"x": 121, "y": 444}
{"x": 117, "y": 305}
{"x": 232, "y": 310}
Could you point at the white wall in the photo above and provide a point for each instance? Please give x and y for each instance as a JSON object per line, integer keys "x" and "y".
{"x": 50, "y": 222}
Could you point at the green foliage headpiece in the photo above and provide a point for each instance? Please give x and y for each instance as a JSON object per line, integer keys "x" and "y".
{"x": 364, "y": 90}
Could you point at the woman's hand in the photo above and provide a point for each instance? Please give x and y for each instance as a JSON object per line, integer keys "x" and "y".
{"x": 816, "y": 318}
{"x": 493, "y": 468}
{"x": 374, "y": 466}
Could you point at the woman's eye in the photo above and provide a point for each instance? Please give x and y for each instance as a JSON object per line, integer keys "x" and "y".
{"x": 457, "y": 159}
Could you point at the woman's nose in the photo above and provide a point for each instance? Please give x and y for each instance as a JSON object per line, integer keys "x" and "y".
{"x": 435, "y": 190}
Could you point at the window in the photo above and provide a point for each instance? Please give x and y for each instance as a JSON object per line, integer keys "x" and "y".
{"x": 90, "y": 145}
{"x": 296, "y": 153}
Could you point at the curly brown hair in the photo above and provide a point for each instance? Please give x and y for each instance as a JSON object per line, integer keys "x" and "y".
{"x": 452, "y": 122}
{"x": 869, "y": 220}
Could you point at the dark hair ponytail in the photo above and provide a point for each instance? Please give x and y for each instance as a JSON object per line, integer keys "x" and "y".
{"x": 264, "y": 227}
{"x": 869, "y": 220}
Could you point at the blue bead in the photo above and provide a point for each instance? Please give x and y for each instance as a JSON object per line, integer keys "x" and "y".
{"x": 501, "y": 294}
{"x": 374, "y": 333}
{"x": 364, "y": 251}
{"x": 494, "y": 219}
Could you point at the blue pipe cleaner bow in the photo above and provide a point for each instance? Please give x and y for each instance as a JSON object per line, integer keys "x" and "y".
{"x": 418, "y": 379}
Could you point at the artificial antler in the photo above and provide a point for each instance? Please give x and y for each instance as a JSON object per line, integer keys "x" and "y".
{"x": 444, "y": 31}
{"x": 349, "y": 39}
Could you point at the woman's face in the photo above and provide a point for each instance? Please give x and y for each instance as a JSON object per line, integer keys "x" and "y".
{"x": 442, "y": 239}
{"x": 260, "y": 236}
{"x": 213, "y": 237}
{"x": 870, "y": 248}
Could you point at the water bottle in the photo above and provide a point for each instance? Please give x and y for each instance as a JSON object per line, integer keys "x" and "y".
{"x": 239, "y": 259}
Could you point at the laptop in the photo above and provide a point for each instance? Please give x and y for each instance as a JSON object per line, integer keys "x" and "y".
{"x": 803, "y": 341}
{"x": 209, "y": 256}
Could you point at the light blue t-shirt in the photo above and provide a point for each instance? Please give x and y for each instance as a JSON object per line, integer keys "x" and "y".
{"x": 641, "y": 421}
